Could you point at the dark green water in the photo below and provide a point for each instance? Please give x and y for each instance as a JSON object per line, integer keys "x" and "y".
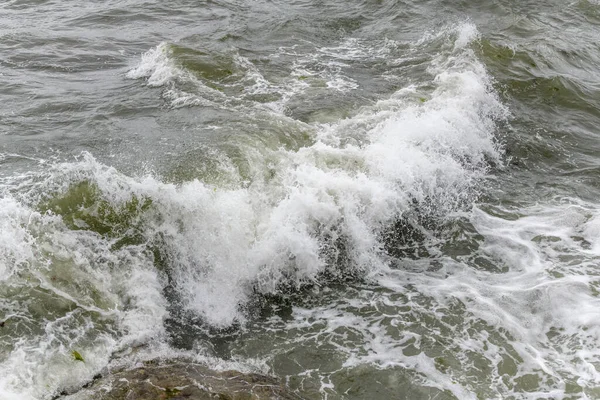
{"x": 366, "y": 199}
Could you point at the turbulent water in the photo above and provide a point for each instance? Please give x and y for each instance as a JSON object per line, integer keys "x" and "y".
{"x": 367, "y": 199}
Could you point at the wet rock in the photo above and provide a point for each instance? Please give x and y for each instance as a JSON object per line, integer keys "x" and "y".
{"x": 182, "y": 380}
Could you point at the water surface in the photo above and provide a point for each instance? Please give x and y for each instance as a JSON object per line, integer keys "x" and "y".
{"x": 367, "y": 199}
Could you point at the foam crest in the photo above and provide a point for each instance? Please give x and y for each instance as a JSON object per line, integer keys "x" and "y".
{"x": 156, "y": 67}
{"x": 325, "y": 197}
{"x": 159, "y": 68}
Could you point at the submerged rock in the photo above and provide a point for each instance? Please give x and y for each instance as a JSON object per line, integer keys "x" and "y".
{"x": 182, "y": 380}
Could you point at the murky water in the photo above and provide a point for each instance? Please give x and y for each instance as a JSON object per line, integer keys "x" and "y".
{"x": 366, "y": 199}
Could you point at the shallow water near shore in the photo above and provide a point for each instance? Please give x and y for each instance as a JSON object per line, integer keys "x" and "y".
{"x": 365, "y": 200}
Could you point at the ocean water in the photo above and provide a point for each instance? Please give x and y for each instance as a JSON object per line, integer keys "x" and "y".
{"x": 366, "y": 199}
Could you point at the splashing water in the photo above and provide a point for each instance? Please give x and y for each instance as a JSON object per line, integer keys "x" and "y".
{"x": 361, "y": 221}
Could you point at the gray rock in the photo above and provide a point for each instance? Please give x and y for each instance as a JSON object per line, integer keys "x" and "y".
{"x": 182, "y": 381}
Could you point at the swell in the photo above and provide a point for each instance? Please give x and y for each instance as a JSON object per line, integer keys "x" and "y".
{"x": 114, "y": 255}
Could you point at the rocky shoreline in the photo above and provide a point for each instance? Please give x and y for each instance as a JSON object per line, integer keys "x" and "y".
{"x": 182, "y": 380}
